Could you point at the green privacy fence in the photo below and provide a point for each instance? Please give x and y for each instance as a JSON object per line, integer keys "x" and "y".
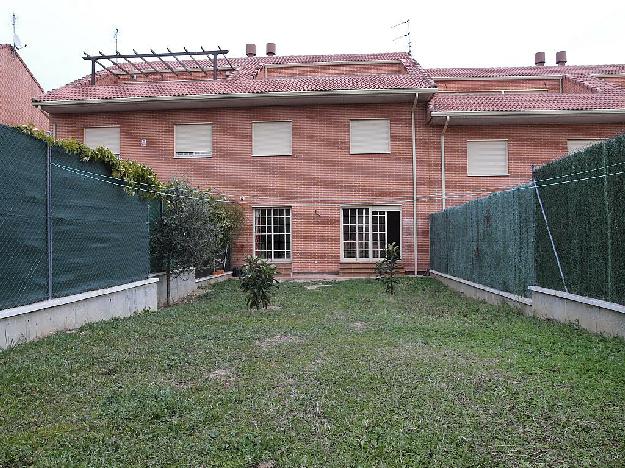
{"x": 488, "y": 241}
{"x": 583, "y": 196}
{"x": 503, "y": 241}
{"x": 88, "y": 234}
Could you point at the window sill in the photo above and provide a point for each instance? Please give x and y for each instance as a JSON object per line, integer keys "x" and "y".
{"x": 488, "y": 175}
{"x": 363, "y": 260}
{"x": 370, "y": 154}
{"x": 272, "y": 155}
{"x": 192, "y": 157}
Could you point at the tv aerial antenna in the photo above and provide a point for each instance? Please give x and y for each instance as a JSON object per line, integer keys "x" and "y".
{"x": 406, "y": 25}
{"x": 17, "y": 43}
{"x": 116, "y": 36}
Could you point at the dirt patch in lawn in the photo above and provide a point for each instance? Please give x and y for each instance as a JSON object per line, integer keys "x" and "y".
{"x": 358, "y": 326}
{"x": 277, "y": 340}
{"x": 312, "y": 287}
{"x": 267, "y": 464}
{"x": 225, "y": 376}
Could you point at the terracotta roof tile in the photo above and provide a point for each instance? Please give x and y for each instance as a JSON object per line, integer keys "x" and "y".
{"x": 492, "y": 72}
{"x": 245, "y": 79}
{"x": 599, "y": 94}
{"x": 521, "y": 102}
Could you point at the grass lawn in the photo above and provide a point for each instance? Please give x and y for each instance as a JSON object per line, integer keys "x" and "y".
{"x": 341, "y": 375}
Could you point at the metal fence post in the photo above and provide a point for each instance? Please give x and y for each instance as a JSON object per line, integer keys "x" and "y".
{"x": 49, "y": 216}
{"x": 553, "y": 244}
{"x": 608, "y": 214}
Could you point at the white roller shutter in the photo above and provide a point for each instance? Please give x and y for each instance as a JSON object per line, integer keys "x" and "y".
{"x": 369, "y": 136}
{"x": 107, "y": 137}
{"x": 578, "y": 145}
{"x": 487, "y": 158}
{"x": 193, "y": 140}
{"x": 272, "y": 138}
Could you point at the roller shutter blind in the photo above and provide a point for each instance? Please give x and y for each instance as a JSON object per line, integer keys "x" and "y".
{"x": 107, "y": 137}
{"x": 578, "y": 145}
{"x": 272, "y": 138}
{"x": 193, "y": 140}
{"x": 487, "y": 158}
{"x": 369, "y": 136}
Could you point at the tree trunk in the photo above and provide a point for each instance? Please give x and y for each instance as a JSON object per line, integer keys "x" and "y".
{"x": 168, "y": 277}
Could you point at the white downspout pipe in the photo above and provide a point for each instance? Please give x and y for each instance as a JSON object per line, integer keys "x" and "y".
{"x": 443, "y": 190}
{"x": 414, "y": 183}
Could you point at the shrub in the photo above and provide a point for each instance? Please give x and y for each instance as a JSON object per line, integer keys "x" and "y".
{"x": 258, "y": 281}
{"x": 386, "y": 268}
{"x": 195, "y": 227}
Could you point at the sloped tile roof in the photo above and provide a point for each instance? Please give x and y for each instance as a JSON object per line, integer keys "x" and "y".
{"x": 598, "y": 94}
{"x": 245, "y": 79}
{"x": 493, "y": 72}
{"x": 525, "y": 102}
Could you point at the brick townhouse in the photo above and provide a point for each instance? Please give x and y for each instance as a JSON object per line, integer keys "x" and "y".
{"x": 333, "y": 156}
{"x": 18, "y": 87}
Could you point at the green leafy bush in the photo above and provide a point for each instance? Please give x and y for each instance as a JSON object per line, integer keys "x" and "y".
{"x": 386, "y": 269}
{"x": 195, "y": 227}
{"x": 258, "y": 281}
{"x": 136, "y": 177}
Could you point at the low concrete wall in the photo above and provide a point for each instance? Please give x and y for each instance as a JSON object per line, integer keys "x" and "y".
{"x": 481, "y": 292}
{"x": 606, "y": 318}
{"x": 33, "y": 321}
{"x": 181, "y": 286}
{"x": 597, "y": 316}
{"x": 199, "y": 282}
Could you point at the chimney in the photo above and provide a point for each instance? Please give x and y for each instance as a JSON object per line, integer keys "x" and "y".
{"x": 271, "y": 49}
{"x": 539, "y": 59}
{"x": 561, "y": 58}
{"x": 250, "y": 50}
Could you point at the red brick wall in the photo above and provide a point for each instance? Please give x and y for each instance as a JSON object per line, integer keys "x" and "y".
{"x": 551, "y": 85}
{"x": 617, "y": 80}
{"x": 574, "y": 86}
{"x": 332, "y": 69}
{"x": 321, "y": 176}
{"x": 17, "y": 88}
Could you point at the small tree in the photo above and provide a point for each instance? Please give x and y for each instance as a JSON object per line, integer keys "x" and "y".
{"x": 386, "y": 268}
{"x": 194, "y": 227}
{"x": 258, "y": 281}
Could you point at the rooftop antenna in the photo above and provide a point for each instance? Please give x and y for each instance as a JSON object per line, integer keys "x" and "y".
{"x": 17, "y": 44}
{"x": 115, "y": 36}
{"x": 406, "y": 34}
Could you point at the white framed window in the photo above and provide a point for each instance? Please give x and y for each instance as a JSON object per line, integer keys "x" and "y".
{"x": 579, "y": 145}
{"x": 107, "y": 137}
{"x": 366, "y": 230}
{"x": 487, "y": 157}
{"x": 272, "y": 233}
{"x": 369, "y": 136}
{"x": 273, "y": 138}
{"x": 193, "y": 140}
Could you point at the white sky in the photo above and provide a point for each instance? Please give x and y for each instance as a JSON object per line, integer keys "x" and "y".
{"x": 444, "y": 33}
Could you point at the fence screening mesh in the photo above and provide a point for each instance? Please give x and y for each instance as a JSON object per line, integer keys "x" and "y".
{"x": 98, "y": 232}
{"x": 584, "y": 200}
{"x": 489, "y": 241}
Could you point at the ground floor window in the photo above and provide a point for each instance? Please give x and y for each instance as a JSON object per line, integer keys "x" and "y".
{"x": 272, "y": 233}
{"x": 367, "y": 230}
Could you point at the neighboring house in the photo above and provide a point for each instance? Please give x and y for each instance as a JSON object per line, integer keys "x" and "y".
{"x": 327, "y": 153}
{"x": 18, "y": 87}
